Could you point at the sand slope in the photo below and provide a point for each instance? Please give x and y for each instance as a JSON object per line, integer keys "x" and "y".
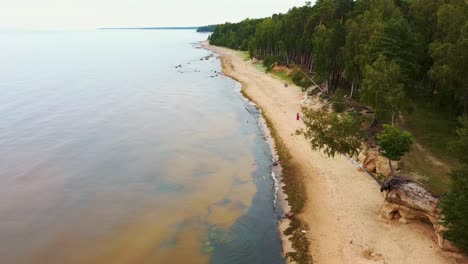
{"x": 343, "y": 204}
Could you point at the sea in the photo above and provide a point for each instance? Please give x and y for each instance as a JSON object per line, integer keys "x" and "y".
{"x": 129, "y": 146}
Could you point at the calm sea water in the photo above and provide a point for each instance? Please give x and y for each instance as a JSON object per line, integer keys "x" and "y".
{"x": 111, "y": 154}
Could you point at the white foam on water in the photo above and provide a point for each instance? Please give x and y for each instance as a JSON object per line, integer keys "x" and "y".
{"x": 276, "y": 187}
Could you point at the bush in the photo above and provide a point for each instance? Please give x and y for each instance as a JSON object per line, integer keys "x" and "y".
{"x": 338, "y": 101}
{"x": 332, "y": 133}
{"x": 300, "y": 79}
{"x": 455, "y": 209}
{"x": 394, "y": 143}
{"x": 269, "y": 62}
{"x": 460, "y": 146}
{"x": 455, "y": 204}
{"x": 338, "y": 107}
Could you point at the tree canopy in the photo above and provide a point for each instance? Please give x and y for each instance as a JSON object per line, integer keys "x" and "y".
{"x": 332, "y": 133}
{"x": 454, "y": 209}
{"x": 394, "y": 142}
{"x": 336, "y": 41}
{"x": 382, "y": 88}
{"x": 209, "y": 28}
{"x": 460, "y": 145}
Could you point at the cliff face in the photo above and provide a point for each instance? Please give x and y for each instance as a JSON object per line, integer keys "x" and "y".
{"x": 409, "y": 201}
{"x": 404, "y": 199}
{"x": 373, "y": 162}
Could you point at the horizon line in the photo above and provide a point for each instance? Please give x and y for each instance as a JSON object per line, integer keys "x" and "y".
{"x": 147, "y": 28}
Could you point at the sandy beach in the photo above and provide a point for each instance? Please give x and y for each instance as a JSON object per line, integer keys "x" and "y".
{"x": 343, "y": 203}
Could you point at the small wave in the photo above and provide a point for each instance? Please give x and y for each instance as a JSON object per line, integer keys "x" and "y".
{"x": 275, "y": 187}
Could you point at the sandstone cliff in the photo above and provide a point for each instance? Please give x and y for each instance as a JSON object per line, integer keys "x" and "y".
{"x": 407, "y": 201}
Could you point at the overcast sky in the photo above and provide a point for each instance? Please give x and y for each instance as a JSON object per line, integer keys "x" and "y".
{"x": 133, "y": 13}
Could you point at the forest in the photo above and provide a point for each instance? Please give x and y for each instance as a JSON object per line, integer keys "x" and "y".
{"x": 209, "y": 28}
{"x": 395, "y": 56}
{"x": 336, "y": 41}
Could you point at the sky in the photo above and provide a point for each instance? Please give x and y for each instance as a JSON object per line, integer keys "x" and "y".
{"x": 76, "y": 14}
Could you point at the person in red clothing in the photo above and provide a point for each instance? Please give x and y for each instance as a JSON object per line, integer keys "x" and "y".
{"x": 297, "y": 116}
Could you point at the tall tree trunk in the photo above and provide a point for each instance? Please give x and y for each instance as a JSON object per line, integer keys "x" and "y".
{"x": 374, "y": 122}
{"x": 391, "y": 167}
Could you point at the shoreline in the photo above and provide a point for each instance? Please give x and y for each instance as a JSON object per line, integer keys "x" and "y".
{"x": 345, "y": 224}
{"x": 281, "y": 198}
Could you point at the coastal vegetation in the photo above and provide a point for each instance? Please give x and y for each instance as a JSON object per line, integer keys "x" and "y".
{"x": 209, "y": 28}
{"x": 418, "y": 47}
{"x": 455, "y": 204}
{"x": 394, "y": 143}
{"x": 331, "y": 132}
{"x": 405, "y": 59}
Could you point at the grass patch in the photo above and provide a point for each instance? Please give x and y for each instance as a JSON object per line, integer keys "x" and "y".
{"x": 430, "y": 160}
{"x": 418, "y": 166}
{"x": 259, "y": 67}
{"x": 244, "y": 55}
{"x": 282, "y": 75}
{"x": 434, "y": 130}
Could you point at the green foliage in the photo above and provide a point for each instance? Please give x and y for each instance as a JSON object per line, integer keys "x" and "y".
{"x": 450, "y": 54}
{"x": 210, "y": 28}
{"x": 234, "y": 35}
{"x": 402, "y": 45}
{"x": 269, "y": 62}
{"x": 336, "y": 41}
{"x": 283, "y": 75}
{"x": 455, "y": 204}
{"x": 328, "y": 52}
{"x": 382, "y": 88}
{"x": 364, "y": 30}
{"x": 455, "y": 209}
{"x": 394, "y": 142}
{"x": 331, "y": 132}
{"x": 432, "y": 128}
{"x": 338, "y": 101}
{"x": 389, "y": 53}
{"x": 300, "y": 79}
{"x": 460, "y": 146}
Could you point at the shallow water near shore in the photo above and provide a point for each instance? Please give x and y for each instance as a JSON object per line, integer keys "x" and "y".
{"x": 129, "y": 147}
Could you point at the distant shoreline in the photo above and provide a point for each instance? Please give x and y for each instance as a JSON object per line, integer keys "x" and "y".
{"x": 150, "y": 28}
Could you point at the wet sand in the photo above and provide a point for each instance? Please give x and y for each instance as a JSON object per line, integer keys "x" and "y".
{"x": 343, "y": 203}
